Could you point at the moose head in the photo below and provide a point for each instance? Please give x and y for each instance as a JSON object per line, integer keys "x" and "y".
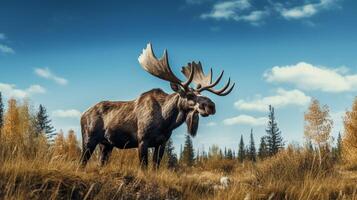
{"x": 191, "y": 100}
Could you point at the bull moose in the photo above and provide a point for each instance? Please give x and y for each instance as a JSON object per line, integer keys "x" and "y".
{"x": 149, "y": 120}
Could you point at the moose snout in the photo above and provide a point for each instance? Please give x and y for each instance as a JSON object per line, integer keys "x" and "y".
{"x": 211, "y": 109}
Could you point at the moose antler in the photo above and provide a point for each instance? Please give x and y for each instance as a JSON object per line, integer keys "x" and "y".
{"x": 204, "y": 82}
{"x": 161, "y": 68}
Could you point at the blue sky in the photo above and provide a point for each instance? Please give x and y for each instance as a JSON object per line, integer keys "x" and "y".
{"x": 68, "y": 55}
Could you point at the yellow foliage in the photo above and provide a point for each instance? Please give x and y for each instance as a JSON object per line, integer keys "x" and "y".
{"x": 349, "y": 142}
{"x": 318, "y": 124}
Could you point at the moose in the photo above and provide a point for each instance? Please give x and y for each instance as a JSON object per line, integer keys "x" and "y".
{"x": 148, "y": 121}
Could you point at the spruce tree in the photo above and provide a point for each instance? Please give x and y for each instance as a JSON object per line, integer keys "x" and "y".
{"x": 263, "y": 148}
{"x": 171, "y": 155}
{"x": 252, "y": 153}
{"x": 241, "y": 150}
{"x": 274, "y": 138}
{"x": 229, "y": 154}
{"x": 188, "y": 154}
{"x": 43, "y": 124}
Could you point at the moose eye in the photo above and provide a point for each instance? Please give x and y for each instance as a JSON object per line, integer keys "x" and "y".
{"x": 190, "y": 96}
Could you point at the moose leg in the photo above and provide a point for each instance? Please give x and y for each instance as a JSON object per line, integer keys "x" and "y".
{"x": 143, "y": 154}
{"x": 87, "y": 151}
{"x": 158, "y": 154}
{"x": 105, "y": 151}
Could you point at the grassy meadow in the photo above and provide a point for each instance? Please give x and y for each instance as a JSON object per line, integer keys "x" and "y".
{"x": 294, "y": 173}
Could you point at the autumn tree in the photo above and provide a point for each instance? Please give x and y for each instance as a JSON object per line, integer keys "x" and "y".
{"x": 214, "y": 152}
{"x": 241, "y": 150}
{"x": 318, "y": 125}
{"x": 188, "y": 154}
{"x": 251, "y": 153}
{"x": 274, "y": 138}
{"x": 59, "y": 146}
{"x": 1, "y": 114}
{"x": 12, "y": 121}
{"x": 43, "y": 123}
{"x": 73, "y": 150}
{"x": 263, "y": 150}
{"x": 349, "y": 141}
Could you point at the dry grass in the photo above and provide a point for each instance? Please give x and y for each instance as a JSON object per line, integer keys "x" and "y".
{"x": 292, "y": 174}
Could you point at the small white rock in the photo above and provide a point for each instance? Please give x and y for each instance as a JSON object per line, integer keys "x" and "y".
{"x": 225, "y": 181}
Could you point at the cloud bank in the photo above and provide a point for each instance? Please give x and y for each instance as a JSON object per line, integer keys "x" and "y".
{"x": 310, "y": 77}
{"x": 282, "y": 98}
{"x": 10, "y": 90}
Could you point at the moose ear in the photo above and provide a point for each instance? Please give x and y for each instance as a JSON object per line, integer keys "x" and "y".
{"x": 177, "y": 88}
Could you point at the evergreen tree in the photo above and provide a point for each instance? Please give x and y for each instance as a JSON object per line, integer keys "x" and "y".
{"x": 252, "y": 153}
{"x": 1, "y": 114}
{"x": 171, "y": 155}
{"x": 274, "y": 138}
{"x": 188, "y": 152}
{"x": 229, "y": 154}
{"x": 263, "y": 148}
{"x": 43, "y": 124}
{"x": 225, "y": 152}
{"x": 241, "y": 150}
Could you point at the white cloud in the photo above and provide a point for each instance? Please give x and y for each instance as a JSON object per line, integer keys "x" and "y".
{"x": 6, "y": 49}
{"x": 10, "y": 90}
{"x": 47, "y": 74}
{"x": 71, "y": 113}
{"x": 243, "y": 10}
{"x": 304, "y": 11}
{"x": 2, "y": 36}
{"x": 246, "y": 120}
{"x": 282, "y": 98}
{"x": 229, "y": 10}
{"x": 309, "y": 77}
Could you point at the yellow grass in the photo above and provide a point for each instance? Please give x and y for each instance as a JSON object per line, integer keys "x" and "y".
{"x": 292, "y": 174}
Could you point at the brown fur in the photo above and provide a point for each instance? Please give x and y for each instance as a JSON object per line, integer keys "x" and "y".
{"x": 143, "y": 123}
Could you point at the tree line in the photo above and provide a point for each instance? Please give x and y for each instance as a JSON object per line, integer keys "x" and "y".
{"x": 31, "y": 127}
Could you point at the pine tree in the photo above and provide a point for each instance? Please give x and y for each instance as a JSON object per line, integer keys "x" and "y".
{"x": 229, "y": 154}
{"x": 263, "y": 151}
{"x": 241, "y": 150}
{"x": 171, "y": 155}
{"x": 43, "y": 124}
{"x": 225, "y": 152}
{"x": 318, "y": 126}
{"x": 252, "y": 153}
{"x": 1, "y": 114}
{"x": 188, "y": 152}
{"x": 274, "y": 138}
